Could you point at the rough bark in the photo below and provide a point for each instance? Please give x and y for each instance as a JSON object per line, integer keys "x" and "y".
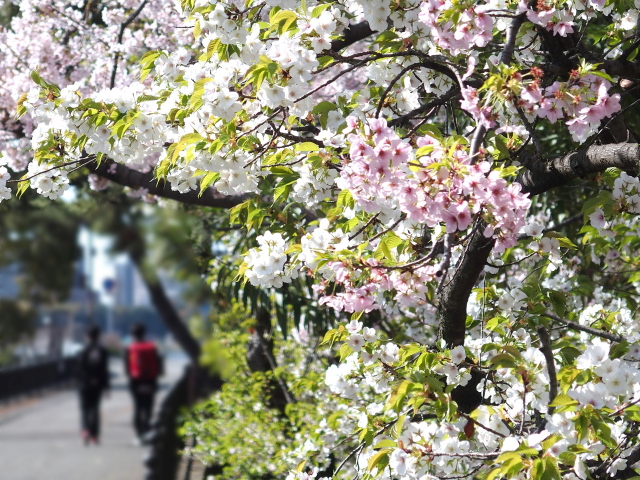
{"x": 452, "y": 306}
{"x": 543, "y": 175}
{"x": 128, "y": 177}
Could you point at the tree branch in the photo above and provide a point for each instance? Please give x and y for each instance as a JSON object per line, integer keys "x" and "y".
{"x": 582, "y": 328}
{"x": 545, "y": 348}
{"x": 128, "y": 177}
{"x": 123, "y": 27}
{"x": 544, "y": 175}
{"x": 451, "y": 312}
{"x": 351, "y": 35}
{"x": 403, "y": 119}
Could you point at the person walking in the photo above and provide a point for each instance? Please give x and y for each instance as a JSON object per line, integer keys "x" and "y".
{"x": 143, "y": 367}
{"x": 93, "y": 381}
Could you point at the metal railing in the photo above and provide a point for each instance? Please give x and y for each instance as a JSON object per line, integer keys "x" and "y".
{"x": 16, "y": 381}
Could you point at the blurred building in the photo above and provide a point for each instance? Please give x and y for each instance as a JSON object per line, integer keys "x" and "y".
{"x": 60, "y": 327}
{"x": 130, "y": 290}
{"x": 9, "y": 283}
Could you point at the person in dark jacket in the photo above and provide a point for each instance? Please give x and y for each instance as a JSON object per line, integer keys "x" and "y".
{"x": 93, "y": 381}
{"x": 143, "y": 367}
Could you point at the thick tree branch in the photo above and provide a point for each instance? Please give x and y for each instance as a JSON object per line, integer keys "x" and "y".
{"x": 128, "y": 177}
{"x": 545, "y": 348}
{"x": 543, "y": 175}
{"x": 452, "y": 306}
{"x": 169, "y": 315}
{"x": 131, "y": 240}
{"x": 351, "y": 35}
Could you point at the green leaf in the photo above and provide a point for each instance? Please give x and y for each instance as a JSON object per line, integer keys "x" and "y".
{"x": 559, "y": 302}
{"x": 562, "y": 240}
{"x": 551, "y": 470}
{"x": 35, "y": 76}
{"x": 23, "y": 185}
{"x": 283, "y": 20}
{"x": 385, "y": 444}
{"x": 324, "y": 107}
{"x": 147, "y": 98}
{"x": 306, "y": 147}
{"x": 537, "y": 470}
{"x": 378, "y": 458}
{"x": 399, "y": 425}
{"x": 345, "y": 351}
{"x": 317, "y": 11}
{"x": 603, "y": 432}
{"x": 209, "y": 179}
{"x": 20, "y": 107}
{"x": 345, "y": 199}
{"x": 147, "y": 62}
{"x": 388, "y": 242}
{"x": 502, "y": 360}
{"x": 563, "y": 400}
{"x": 619, "y": 349}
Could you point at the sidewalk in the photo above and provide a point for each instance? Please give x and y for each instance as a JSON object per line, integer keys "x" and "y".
{"x": 41, "y": 440}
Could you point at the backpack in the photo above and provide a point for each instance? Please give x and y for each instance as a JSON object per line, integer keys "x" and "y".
{"x": 143, "y": 361}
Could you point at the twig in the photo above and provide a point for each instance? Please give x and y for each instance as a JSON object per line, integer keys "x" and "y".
{"x": 335, "y": 77}
{"x": 482, "y": 456}
{"x": 437, "y": 102}
{"x": 379, "y": 234}
{"x": 123, "y": 26}
{"x": 613, "y": 117}
{"x": 512, "y": 263}
{"x": 362, "y": 229}
{"x": 397, "y": 78}
{"x": 582, "y": 328}
{"x": 464, "y": 415}
{"x": 17, "y": 57}
{"x": 351, "y": 454}
{"x": 292, "y": 137}
{"x": 476, "y": 142}
{"x": 532, "y": 133}
{"x": 505, "y": 57}
{"x": 272, "y": 363}
{"x": 80, "y": 24}
{"x": 62, "y": 165}
{"x": 429, "y": 256}
{"x": 512, "y": 35}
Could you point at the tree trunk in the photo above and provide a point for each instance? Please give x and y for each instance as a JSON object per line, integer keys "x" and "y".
{"x": 167, "y": 311}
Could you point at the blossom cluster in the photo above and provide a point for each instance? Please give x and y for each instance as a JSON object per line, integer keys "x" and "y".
{"x": 69, "y": 44}
{"x": 582, "y": 102}
{"x": 473, "y": 27}
{"x": 266, "y": 263}
{"x": 441, "y": 185}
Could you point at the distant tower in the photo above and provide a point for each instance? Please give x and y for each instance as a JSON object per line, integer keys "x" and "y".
{"x": 125, "y": 279}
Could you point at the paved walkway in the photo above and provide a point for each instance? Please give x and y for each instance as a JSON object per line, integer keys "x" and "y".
{"x": 40, "y": 440}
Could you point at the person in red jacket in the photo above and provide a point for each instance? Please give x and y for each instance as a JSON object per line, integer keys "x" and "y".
{"x": 143, "y": 367}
